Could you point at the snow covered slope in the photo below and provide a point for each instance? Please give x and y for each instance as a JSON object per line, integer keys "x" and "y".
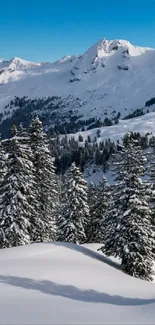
{"x": 111, "y": 77}
{"x": 142, "y": 124}
{"x": 67, "y": 284}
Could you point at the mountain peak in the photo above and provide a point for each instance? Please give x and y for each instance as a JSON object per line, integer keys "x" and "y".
{"x": 19, "y": 63}
{"x": 104, "y": 48}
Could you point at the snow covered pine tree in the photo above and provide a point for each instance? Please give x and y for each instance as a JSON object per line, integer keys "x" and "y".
{"x": 92, "y": 200}
{"x": 3, "y": 167}
{"x": 99, "y": 200}
{"x": 16, "y": 193}
{"x": 128, "y": 227}
{"x": 151, "y": 173}
{"x": 47, "y": 191}
{"x": 74, "y": 213}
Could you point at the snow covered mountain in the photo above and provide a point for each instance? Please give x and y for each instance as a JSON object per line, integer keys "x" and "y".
{"x": 64, "y": 283}
{"x": 111, "y": 77}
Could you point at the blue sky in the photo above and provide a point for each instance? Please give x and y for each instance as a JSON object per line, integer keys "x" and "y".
{"x": 47, "y": 30}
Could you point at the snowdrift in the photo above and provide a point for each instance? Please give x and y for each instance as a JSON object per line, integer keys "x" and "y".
{"x": 61, "y": 283}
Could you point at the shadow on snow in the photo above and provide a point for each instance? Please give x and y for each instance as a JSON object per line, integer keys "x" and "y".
{"x": 90, "y": 253}
{"x": 71, "y": 292}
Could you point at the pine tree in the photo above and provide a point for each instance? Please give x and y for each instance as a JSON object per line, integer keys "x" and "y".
{"x": 92, "y": 199}
{"x": 128, "y": 227}
{"x": 22, "y": 132}
{"x": 44, "y": 226}
{"x": 16, "y": 195}
{"x": 151, "y": 173}
{"x": 66, "y": 231}
{"x": 73, "y": 219}
{"x": 99, "y": 198}
{"x": 3, "y": 165}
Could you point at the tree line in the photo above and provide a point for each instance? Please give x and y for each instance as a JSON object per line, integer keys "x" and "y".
{"x": 53, "y": 114}
{"x": 86, "y": 151}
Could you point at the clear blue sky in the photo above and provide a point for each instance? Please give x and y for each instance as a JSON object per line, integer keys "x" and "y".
{"x": 45, "y": 30}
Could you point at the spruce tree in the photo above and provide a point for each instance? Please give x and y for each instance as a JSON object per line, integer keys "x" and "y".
{"x": 73, "y": 219}
{"x": 3, "y": 158}
{"x": 92, "y": 200}
{"x": 16, "y": 194}
{"x": 22, "y": 132}
{"x": 43, "y": 228}
{"x": 128, "y": 228}
{"x": 151, "y": 174}
{"x": 66, "y": 231}
{"x": 100, "y": 197}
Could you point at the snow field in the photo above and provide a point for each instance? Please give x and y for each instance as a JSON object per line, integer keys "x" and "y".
{"x": 62, "y": 283}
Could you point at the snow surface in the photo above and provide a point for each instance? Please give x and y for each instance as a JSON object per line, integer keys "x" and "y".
{"x": 142, "y": 124}
{"x": 97, "y": 78}
{"x": 62, "y": 283}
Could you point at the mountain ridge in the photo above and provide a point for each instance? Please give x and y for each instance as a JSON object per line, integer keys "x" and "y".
{"x": 110, "y": 78}
{"x": 103, "y": 41}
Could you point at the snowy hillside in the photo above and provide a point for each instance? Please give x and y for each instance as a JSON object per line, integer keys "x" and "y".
{"x": 111, "y": 77}
{"x": 67, "y": 284}
{"x": 142, "y": 124}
